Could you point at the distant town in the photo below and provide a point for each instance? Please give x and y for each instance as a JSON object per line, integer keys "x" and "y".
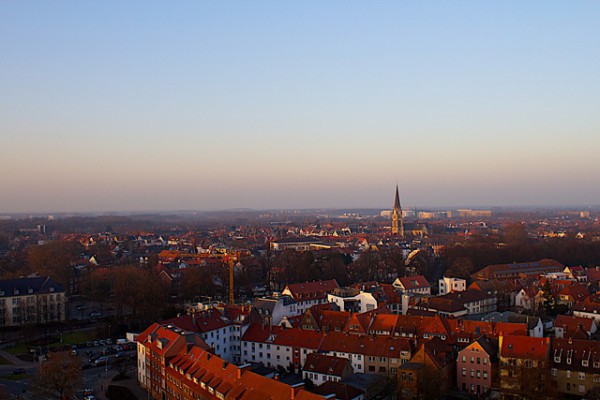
{"x": 396, "y": 303}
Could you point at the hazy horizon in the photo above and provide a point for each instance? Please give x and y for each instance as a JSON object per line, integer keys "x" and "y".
{"x": 134, "y": 106}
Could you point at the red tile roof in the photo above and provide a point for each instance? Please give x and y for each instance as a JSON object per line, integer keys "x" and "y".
{"x": 327, "y": 365}
{"x": 525, "y": 347}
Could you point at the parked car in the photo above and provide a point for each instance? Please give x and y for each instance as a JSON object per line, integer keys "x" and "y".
{"x": 102, "y": 360}
{"x": 81, "y": 307}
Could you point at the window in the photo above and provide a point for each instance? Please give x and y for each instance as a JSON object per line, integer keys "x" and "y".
{"x": 472, "y": 373}
{"x": 478, "y": 360}
{"x": 484, "y": 361}
{"x": 582, "y": 376}
{"x": 485, "y": 374}
{"x": 464, "y": 358}
{"x": 568, "y": 374}
{"x": 581, "y": 388}
{"x": 554, "y": 371}
{"x": 464, "y": 372}
{"x": 472, "y": 360}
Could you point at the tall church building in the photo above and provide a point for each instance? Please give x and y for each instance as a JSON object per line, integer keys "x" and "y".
{"x": 397, "y": 223}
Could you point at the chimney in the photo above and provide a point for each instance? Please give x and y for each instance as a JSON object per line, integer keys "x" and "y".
{"x": 241, "y": 369}
{"x": 295, "y": 389}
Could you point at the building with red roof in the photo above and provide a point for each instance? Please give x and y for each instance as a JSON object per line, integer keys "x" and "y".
{"x": 575, "y": 366}
{"x": 320, "y": 368}
{"x": 524, "y": 365}
{"x": 413, "y": 284}
{"x": 177, "y": 368}
{"x": 309, "y": 294}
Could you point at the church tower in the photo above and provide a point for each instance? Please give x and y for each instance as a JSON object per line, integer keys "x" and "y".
{"x": 397, "y": 223}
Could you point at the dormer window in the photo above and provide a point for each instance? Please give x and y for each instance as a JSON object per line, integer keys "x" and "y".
{"x": 585, "y": 363}
{"x": 16, "y": 291}
{"x": 557, "y": 359}
{"x": 569, "y": 361}
{"x": 596, "y": 364}
{"x": 30, "y": 291}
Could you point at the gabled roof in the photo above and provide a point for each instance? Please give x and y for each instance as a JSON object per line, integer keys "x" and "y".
{"x": 525, "y": 347}
{"x": 570, "y": 324}
{"x": 327, "y": 365}
{"x": 570, "y": 354}
{"x": 23, "y": 286}
{"x": 200, "y": 321}
{"x": 413, "y": 282}
{"x": 311, "y": 290}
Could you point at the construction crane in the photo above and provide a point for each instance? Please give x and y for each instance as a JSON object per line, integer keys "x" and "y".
{"x": 231, "y": 297}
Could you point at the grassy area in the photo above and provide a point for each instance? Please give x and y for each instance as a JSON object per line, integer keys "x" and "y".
{"x": 4, "y": 361}
{"x": 15, "y": 377}
{"x": 68, "y": 339}
{"x": 72, "y": 338}
{"x": 18, "y": 349}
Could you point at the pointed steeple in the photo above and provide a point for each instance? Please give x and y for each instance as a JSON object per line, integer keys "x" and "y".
{"x": 397, "y": 200}
{"x": 397, "y": 223}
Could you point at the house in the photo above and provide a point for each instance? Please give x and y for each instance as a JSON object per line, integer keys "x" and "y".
{"x": 529, "y": 299}
{"x": 309, "y": 294}
{"x": 277, "y": 346}
{"x": 516, "y": 270}
{"x": 352, "y": 300}
{"x": 317, "y": 318}
{"x": 587, "y": 309}
{"x": 274, "y": 308}
{"x": 572, "y": 294}
{"x": 33, "y": 300}
{"x": 433, "y": 362}
{"x": 221, "y": 329}
{"x": 320, "y": 368}
{"x": 413, "y": 284}
{"x": 477, "y": 366}
{"x": 448, "y": 285}
{"x": 523, "y": 366}
{"x": 532, "y": 325}
{"x": 474, "y": 301}
{"x": 566, "y": 326}
{"x": 575, "y": 366}
{"x": 503, "y": 289}
{"x": 369, "y": 353}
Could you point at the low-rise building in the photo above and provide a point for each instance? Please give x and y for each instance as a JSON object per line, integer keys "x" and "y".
{"x": 574, "y": 366}
{"x": 477, "y": 366}
{"x": 34, "y": 300}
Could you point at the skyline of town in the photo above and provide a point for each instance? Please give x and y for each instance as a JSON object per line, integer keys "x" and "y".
{"x": 266, "y": 105}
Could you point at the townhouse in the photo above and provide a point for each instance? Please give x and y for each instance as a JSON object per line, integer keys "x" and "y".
{"x": 309, "y": 294}
{"x": 476, "y": 367}
{"x": 220, "y": 328}
{"x": 278, "y": 346}
{"x": 574, "y": 366}
{"x": 179, "y": 367}
{"x": 413, "y": 284}
{"x": 523, "y": 366}
{"x": 320, "y": 368}
{"x": 369, "y": 353}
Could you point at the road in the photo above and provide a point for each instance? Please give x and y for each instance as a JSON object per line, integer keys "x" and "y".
{"x": 21, "y": 389}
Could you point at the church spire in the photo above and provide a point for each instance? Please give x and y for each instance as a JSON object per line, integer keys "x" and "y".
{"x": 397, "y": 223}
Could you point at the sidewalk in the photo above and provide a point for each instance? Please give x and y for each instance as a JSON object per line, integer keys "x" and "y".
{"x": 16, "y": 361}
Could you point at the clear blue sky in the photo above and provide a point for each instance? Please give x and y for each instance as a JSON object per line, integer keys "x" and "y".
{"x": 126, "y": 105}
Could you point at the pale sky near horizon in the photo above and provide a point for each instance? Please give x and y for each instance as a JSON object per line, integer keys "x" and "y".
{"x": 156, "y": 105}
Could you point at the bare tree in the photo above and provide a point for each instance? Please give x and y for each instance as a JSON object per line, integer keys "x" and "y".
{"x": 58, "y": 378}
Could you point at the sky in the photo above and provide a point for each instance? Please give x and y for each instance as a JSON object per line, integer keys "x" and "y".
{"x": 209, "y": 105}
